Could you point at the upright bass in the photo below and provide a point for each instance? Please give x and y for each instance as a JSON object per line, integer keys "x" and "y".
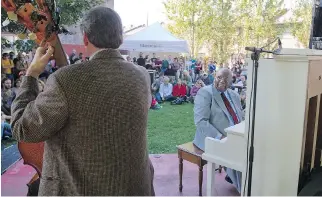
{"x": 41, "y": 21}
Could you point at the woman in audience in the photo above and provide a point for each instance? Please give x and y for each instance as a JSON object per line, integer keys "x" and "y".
{"x": 194, "y": 90}
{"x": 165, "y": 91}
{"x": 17, "y": 85}
{"x": 180, "y": 93}
{"x": 179, "y": 90}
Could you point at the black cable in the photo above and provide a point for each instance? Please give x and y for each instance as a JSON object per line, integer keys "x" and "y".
{"x": 270, "y": 43}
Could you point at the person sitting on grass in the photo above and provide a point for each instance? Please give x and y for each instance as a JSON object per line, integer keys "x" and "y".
{"x": 205, "y": 78}
{"x": 5, "y": 126}
{"x": 154, "y": 104}
{"x": 165, "y": 91}
{"x": 156, "y": 84}
{"x": 180, "y": 93}
{"x": 194, "y": 90}
{"x": 180, "y": 89}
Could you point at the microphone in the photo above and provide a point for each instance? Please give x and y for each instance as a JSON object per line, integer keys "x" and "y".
{"x": 278, "y": 50}
{"x": 260, "y": 50}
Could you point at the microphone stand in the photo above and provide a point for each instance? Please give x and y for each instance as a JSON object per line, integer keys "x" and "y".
{"x": 255, "y": 57}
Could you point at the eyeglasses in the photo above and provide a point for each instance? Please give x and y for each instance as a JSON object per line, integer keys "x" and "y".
{"x": 221, "y": 77}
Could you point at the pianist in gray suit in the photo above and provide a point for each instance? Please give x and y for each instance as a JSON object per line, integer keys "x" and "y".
{"x": 216, "y": 108}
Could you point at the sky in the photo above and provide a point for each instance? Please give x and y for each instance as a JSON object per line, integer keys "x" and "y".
{"x": 135, "y": 12}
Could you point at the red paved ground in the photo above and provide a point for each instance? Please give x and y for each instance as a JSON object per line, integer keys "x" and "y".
{"x": 166, "y": 180}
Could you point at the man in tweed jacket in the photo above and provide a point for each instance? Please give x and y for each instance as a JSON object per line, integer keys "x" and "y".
{"x": 92, "y": 117}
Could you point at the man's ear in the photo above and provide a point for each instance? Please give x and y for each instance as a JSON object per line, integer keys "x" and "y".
{"x": 85, "y": 40}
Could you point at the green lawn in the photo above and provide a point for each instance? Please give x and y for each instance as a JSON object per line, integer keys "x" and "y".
{"x": 170, "y": 126}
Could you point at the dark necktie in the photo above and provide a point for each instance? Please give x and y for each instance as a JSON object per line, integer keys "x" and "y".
{"x": 229, "y": 108}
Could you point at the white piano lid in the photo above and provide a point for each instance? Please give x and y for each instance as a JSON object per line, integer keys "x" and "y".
{"x": 238, "y": 129}
{"x": 300, "y": 52}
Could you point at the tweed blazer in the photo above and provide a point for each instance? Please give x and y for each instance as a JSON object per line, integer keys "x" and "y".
{"x": 93, "y": 119}
{"x": 211, "y": 115}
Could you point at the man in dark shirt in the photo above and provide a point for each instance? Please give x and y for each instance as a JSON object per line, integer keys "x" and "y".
{"x": 72, "y": 57}
{"x": 153, "y": 59}
{"x": 141, "y": 60}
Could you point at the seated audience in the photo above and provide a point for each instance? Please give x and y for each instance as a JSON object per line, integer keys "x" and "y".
{"x": 5, "y": 126}
{"x": 205, "y": 78}
{"x": 20, "y": 65}
{"x": 211, "y": 78}
{"x": 194, "y": 90}
{"x": 79, "y": 59}
{"x": 17, "y": 85}
{"x": 7, "y": 94}
{"x": 197, "y": 70}
{"x": 156, "y": 84}
{"x": 211, "y": 67}
{"x": 176, "y": 67}
{"x": 155, "y": 104}
{"x": 187, "y": 78}
{"x": 165, "y": 91}
{"x": 141, "y": 60}
{"x": 164, "y": 65}
{"x": 179, "y": 90}
{"x": 73, "y": 57}
{"x": 7, "y": 66}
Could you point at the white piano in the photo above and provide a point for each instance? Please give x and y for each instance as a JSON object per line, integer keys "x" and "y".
{"x": 288, "y": 127}
{"x": 232, "y": 153}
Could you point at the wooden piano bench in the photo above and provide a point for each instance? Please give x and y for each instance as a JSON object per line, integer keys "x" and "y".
{"x": 191, "y": 153}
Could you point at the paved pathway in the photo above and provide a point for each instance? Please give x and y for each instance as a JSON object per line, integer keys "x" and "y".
{"x": 166, "y": 179}
{"x": 9, "y": 156}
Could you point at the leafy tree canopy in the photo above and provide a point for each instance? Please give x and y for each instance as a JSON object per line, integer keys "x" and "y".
{"x": 71, "y": 12}
{"x": 301, "y": 22}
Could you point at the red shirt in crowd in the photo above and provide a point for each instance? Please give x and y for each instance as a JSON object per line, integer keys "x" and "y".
{"x": 179, "y": 90}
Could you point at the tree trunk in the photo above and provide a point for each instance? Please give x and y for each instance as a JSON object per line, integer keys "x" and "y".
{"x": 193, "y": 35}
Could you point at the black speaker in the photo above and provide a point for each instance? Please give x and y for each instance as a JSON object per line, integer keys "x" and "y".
{"x": 152, "y": 75}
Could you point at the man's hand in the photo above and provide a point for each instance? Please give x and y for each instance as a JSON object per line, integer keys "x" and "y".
{"x": 41, "y": 59}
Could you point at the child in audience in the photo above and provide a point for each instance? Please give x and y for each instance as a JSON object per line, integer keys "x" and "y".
{"x": 155, "y": 104}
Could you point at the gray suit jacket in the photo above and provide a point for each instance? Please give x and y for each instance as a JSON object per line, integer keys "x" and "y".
{"x": 211, "y": 114}
{"x": 93, "y": 119}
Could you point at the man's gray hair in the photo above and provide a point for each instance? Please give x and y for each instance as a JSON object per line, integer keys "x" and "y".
{"x": 103, "y": 27}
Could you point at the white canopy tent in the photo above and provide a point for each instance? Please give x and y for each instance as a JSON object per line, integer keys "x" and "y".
{"x": 154, "y": 38}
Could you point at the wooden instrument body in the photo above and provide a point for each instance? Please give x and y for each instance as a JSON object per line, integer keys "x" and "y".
{"x": 43, "y": 28}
